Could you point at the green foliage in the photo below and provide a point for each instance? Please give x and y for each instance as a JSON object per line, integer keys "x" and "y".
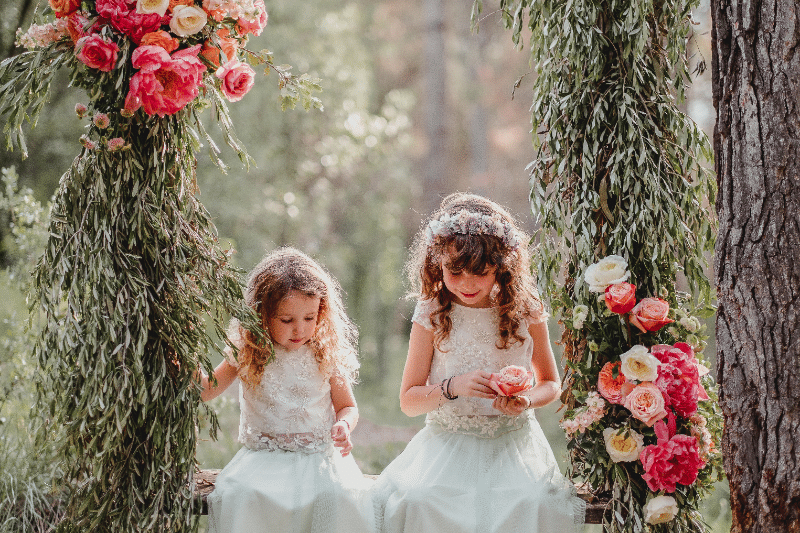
{"x": 619, "y": 170}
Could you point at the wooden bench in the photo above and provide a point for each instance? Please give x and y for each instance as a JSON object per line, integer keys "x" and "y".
{"x": 204, "y": 485}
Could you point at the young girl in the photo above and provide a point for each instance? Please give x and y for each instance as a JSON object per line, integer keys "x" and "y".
{"x": 482, "y": 463}
{"x": 294, "y": 473}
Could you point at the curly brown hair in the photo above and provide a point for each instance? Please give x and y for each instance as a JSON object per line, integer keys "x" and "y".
{"x": 268, "y": 284}
{"x": 516, "y": 297}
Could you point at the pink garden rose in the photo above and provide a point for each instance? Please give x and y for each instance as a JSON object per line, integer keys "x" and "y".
{"x": 674, "y": 459}
{"x": 237, "y": 79}
{"x": 620, "y": 297}
{"x": 650, "y": 314}
{"x": 96, "y": 52}
{"x": 511, "y": 380}
{"x": 646, "y": 403}
{"x": 164, "y": 83}
{"x": 609, "y": 386}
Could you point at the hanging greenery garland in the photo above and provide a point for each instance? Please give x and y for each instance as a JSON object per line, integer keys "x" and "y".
{"x": 133, "y": 285}
{"x": 621, "y": 189}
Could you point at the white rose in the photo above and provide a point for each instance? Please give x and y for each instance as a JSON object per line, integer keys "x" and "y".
{"x": 660, "y": 509}
{"x": 152, "y": 6}
{"x": 607, "y": 271}
{"x": 579, "y": 314}
{"x": 187, "y": 20}
{"x": 623, "y": 445}
{"x": 638, "y": 364}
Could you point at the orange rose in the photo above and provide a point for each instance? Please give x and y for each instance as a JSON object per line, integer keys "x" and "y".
{"x": 620, "y": 297}
{"x": 609, "y": 386}
{"x": 63, "y": 8}
{"x": 228, "y": 45}
{"x": 162, "y": 39}
{"x": 650, "y": 314}
{"x": 511, "y": 380}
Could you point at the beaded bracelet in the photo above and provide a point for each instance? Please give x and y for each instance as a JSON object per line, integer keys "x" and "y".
{"x": 446, "y": 389}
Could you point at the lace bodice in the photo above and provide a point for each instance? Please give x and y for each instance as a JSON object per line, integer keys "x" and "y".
{"x": 291, "y": 408}
{"x": 472, "y": 345}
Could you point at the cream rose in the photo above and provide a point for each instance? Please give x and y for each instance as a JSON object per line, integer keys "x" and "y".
{"x": 646, "y": 403}
{"x": 638, "y": 364}
{"x": 608, "y": 271}
{"x": 623, "y": 445}
{"x": 145, "y": 7}
{"x": 660, "y": 509}
{"x": 187, "y": 20}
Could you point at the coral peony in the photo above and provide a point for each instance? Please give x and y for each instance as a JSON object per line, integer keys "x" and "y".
{"x": 608, "y": 385}
{"x": 646, "y": 403}
{"x": 650, "y": 314}
{"x": 96, "y": 52}
{"x": 671, "y": 461}
{"x": 620, "y": 297}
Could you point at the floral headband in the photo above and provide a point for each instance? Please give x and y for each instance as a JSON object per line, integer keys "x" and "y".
{"x": 470, "y": 223}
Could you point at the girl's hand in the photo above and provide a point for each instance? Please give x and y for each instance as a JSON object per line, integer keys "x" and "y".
{"x": 511, "y": 405}
{"x": 340, "y": 432}
{"x": 475, "y": 383}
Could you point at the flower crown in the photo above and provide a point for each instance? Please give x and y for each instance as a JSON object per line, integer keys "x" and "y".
{"x": 471, "y": 223}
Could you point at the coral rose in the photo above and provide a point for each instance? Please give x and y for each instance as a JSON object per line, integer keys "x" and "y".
{"x": 660, "y": 510}
{"x": 650, "y": 314}
{"x": 638, "y": 364}
{"x": 646, "y": 403}
{"x": 608, "y": 385}
{"x": 511, "y": 380}
{"x": 64, "y": 8}
{"x": 671, "y": 461}
{"x": 226, "y": 44}
{"x": 161, "y": 38}
{"x": 96, "y": 52}
{"x": 237, "y": 79}
{"x": 623, "y": 445}
{"x": 608, "y": 271}
{"x": 620, "y": 297}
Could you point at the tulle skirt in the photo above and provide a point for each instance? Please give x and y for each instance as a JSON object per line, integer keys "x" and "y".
{"x": 287, "y": 492}
{"x": 461, "y": 478}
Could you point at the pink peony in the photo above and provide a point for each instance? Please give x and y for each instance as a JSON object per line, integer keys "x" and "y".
{"x": 124, "y": 18}
{"x": 164, "y": 83}
{"x": 681, "y": 356}
{"x": 96, "y": 52}
{"x": 609, "y": 386}
{"x": 237, "y": 79}
{"x": 646, "y": 403}
{"x": 511, "y": 380}
{"x": 672, "y": 460}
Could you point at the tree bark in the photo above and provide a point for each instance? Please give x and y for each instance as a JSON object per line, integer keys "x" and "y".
{"x": 756, "y": 89}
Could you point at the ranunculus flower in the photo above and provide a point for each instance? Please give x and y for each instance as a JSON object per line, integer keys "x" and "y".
{"x": 187, "y": 20}
{"x": 650, "y": 314}
{"x": 609, "y": 386}
{"x": 63, "y": 8}
{"x": 623, "y": 445}
{"x": 96, "y": 52}
{"x": 638, "y": 364}
{"x": 660, "y": 509}
{"x": 620, "y": 297}
{"x": 256, "y": 23}
{"x": 164, "y": 83}
{"x": 161, "y": 38}
{"x": 511, "y": 380}
{"x": 646, "y": 403}
{"x": 674, "y": 459}
{"x": 152, "y": 6}
{"x": 237, "y": 79}
{"x": 608, "y": 271}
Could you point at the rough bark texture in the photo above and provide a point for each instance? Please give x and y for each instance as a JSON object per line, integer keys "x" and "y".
{"x": 756, "y": 73}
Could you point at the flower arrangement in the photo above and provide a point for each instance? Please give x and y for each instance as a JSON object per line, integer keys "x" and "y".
{"x": 641, "y": 424}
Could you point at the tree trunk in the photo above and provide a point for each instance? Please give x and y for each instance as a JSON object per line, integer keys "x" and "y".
{"x": 756, "y": 70}
{"x": 435, "y": 178}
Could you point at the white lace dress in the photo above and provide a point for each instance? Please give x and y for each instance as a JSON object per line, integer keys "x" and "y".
{"x": 289, "y": 477}
{"x": 472, "y": 469}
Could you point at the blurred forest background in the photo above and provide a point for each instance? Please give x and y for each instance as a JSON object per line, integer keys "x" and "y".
{"x": 416, "y": 105}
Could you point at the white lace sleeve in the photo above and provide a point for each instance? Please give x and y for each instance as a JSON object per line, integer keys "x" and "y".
{"x": 422, "y": 313}
{"x": 538, "y": 316}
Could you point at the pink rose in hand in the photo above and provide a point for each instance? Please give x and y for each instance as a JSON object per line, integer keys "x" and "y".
{"x": 237, "y": 79}
{"x": 511, "y": 380}
{"x": 96, "y": 52}
{"x": 650, "y": 314}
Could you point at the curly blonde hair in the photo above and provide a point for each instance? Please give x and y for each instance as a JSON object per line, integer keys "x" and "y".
{"x": 268, "y": 284}
{"x": 516, "y": 297}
